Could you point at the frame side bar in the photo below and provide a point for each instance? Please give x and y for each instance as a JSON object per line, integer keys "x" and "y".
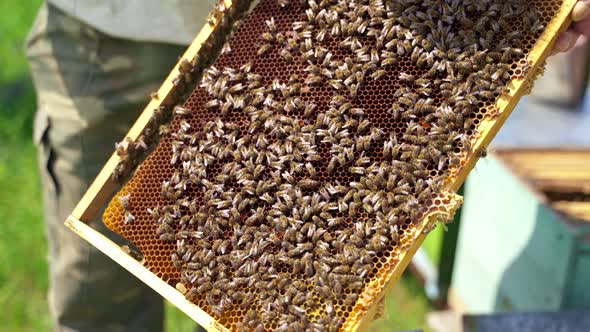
{"x": 113, "y": 251}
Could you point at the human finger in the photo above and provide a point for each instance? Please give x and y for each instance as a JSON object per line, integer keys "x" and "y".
{"x": 581, "y": 10}
{"x": 582, "y": 27}
{"x": 565, "y": 41}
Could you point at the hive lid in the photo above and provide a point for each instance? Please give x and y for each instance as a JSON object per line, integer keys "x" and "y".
{"x": 560, "y": 175}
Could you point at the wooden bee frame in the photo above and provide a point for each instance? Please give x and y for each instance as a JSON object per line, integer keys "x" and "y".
{"x": 103, "y": 186}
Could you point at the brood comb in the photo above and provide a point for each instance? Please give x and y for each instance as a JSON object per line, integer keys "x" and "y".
{"x": 297, "y": 178}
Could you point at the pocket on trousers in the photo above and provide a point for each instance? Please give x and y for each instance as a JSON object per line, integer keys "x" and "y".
{"x": 46, "y": 152}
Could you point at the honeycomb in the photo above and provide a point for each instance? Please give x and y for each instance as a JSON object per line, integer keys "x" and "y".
{"x": 293, "y": 177}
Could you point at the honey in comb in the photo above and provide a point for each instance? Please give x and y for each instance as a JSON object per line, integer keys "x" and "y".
{"x": 315, "y": 301}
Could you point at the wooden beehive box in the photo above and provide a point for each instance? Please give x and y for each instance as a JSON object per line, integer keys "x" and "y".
{"x": 541, "y": 233}
{"x": 391, "y": 268}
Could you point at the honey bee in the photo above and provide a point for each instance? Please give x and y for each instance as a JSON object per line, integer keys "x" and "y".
{"x": 510, "y": 53}
{"x": 124, "y": 148}
{"x": 363, "y": 126}
{"x": 377, "y": 243}
{"x": 286, "y": 54}
{"x": 129, "y": 218}
{"x": 140, "y": 144}
{"x": 341, "y": 269}
{"x": 351, "y": 299}
{"x": 185, "y": 66}
{"x": 263, "y": 49}
{"x": 267, "y": 36}
{"x": 537, "y": 27}
{"x": 525, "y": 69}
{"x": 167, "y": 237}
{"x": 357, "y": 170}
{"x": 405, "y": 77}
{"x": 124, "y": 200}
{"x": 138, "y": 256}
{"x": 482, "y": 152}
{"x": 487, "y": 94}
{"x": 164, "y": 130}
{"x": 236, "y": 88}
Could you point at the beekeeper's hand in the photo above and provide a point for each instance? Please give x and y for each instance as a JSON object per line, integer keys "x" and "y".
{"x": 578, "y": 31}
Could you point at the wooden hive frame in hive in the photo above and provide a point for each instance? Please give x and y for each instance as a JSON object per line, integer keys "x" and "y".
{"x": 103, "y": 187}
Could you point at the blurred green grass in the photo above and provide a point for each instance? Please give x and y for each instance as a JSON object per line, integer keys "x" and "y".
{"x": 23, "y": 268}
{"x": 432, "y": 243}
{"x": 23, "y": 265}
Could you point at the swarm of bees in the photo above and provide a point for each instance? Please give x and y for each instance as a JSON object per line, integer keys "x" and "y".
{"x": 304, "y": 154}
{"x": 132, "y": 152}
